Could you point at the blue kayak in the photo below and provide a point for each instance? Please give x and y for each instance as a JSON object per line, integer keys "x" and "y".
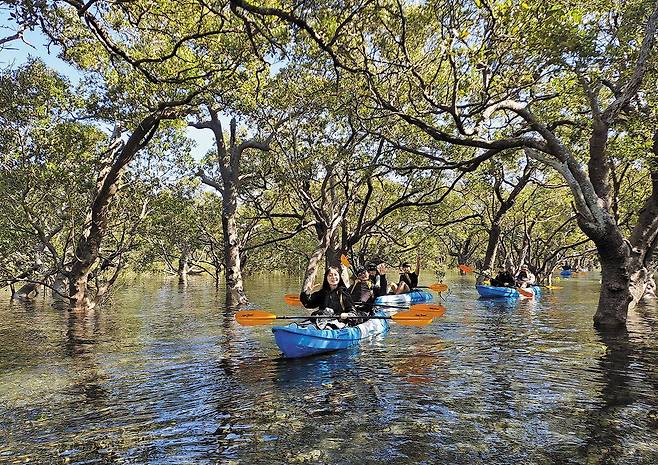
{"x": 301, "y": 342}
{"x": 565, "y": 273}
{"x": 507, "y": 292}
{"x": 416, "y": 296}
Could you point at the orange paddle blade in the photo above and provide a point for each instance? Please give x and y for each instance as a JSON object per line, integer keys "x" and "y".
{"x": 435, "y": 310}
{"x": 344, "y": 261}
{"x": 412, "y": 318}
{"x": 254, "y": 317}
{"x": 438, "y": 287}
{"x": 292, "y": 299}
{"x": 466, "y": 268}
{"x": 525, "y": 293}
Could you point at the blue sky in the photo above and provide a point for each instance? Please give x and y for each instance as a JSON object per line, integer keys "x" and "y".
{"x": 35, "y": 45}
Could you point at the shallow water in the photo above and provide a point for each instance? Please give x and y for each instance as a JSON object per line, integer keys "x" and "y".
{"x": 162, "y": 375}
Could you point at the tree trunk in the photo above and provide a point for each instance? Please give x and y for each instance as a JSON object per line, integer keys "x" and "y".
{"x": 623, "y": 284}
{"x": 627, "y": 265}
{"x": 234, "y": 285}
{"x": 505, "y": 206}
{"x": 229, "y": 161}
{"x": 59, "y": 288}
{"x": 89, "y": 243}
{"x": 314, "y": 261}
{"x": 650, "y": 291}
{"x": 218, "y": 271}
{"x": 28, "y": 291}
{"x": 183, "y": 266}
{"x": 492, "y": 249}
{"x": 334, "y": 251}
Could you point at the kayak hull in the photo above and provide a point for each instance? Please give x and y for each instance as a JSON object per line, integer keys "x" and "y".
{"x": 297, "y": 342}
{"x": 566, "y": 273}
{"x": 505, "y": 292}
{"x": 416, "y": 296}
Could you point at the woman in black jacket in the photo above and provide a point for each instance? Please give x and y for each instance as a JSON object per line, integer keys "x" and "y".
{"x": 333, "y": 299}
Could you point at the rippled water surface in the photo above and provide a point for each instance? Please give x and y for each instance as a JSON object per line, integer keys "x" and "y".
{"x": 163, "y": 375}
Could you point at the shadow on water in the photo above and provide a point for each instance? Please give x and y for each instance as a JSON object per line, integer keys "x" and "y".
{"x": 315, "y": 371}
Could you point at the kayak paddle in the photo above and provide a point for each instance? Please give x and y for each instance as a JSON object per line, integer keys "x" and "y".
{"x": 259, "y": 317}
{"x": 524, "y": 292}
{"x": 439, "y": 310}
{"x": 438, "y": 287}
{"x": 345, "y": 261}
{"x": 435, "y": 310}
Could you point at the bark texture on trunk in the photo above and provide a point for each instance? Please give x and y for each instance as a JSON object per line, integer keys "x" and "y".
{"x": 327, "y": 244}
{"x": 650, "y": 291}
{"x": 228, "y": 160}
{"x": 627, "y": 266}
{"x": 334, "y": 251}
{"x": 505, "y": 205}
{"x": 183, "y": 266}
{"x": 492, "y": 250}
{"x": 314, "y": 262}
{"x": 89, "y": 243}
{"x": 623, "y": 284}
{"x": 60, "y": 286}
{"x": 233, "y": 267}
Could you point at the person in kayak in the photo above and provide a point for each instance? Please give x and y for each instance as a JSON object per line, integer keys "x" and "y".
{"x": 408, "y": 279}
{"x": 364, "y": 291}
{"x": 525, "y": 278}
{"x": 504, "y": 278}
{"x": 377, "y": 275}
{"x": 333, "y": 300}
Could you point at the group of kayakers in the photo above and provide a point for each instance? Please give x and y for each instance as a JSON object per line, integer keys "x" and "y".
{"x": 507, "y": 278}
{"x": 351, "y": 304}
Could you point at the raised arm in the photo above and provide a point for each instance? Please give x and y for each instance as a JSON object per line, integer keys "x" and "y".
{"x": 309, "y": 300}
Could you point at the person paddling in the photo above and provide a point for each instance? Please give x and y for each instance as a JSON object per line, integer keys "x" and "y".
{"x": 408, "y": 279}
{"x": 333, "y": 300}
{"x": 525, "y": 278}
{"x": 365, "y": 290}
{"x": 504, "y": 278}
{"x": 377, "y": 274}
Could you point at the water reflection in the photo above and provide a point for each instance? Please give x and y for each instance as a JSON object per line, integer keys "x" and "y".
{"x": 606, "y": 438}
{"x": 89, "y": 379}
{"x": 623, "y": 424}
{"x": 165, "y": 375}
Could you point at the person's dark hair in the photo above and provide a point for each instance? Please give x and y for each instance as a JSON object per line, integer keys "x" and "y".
{"x": 360, "y": 269}
{"x": 405, "y": 265}
{"x": 370, "y": 266}
{"x": 325, "y": 283}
